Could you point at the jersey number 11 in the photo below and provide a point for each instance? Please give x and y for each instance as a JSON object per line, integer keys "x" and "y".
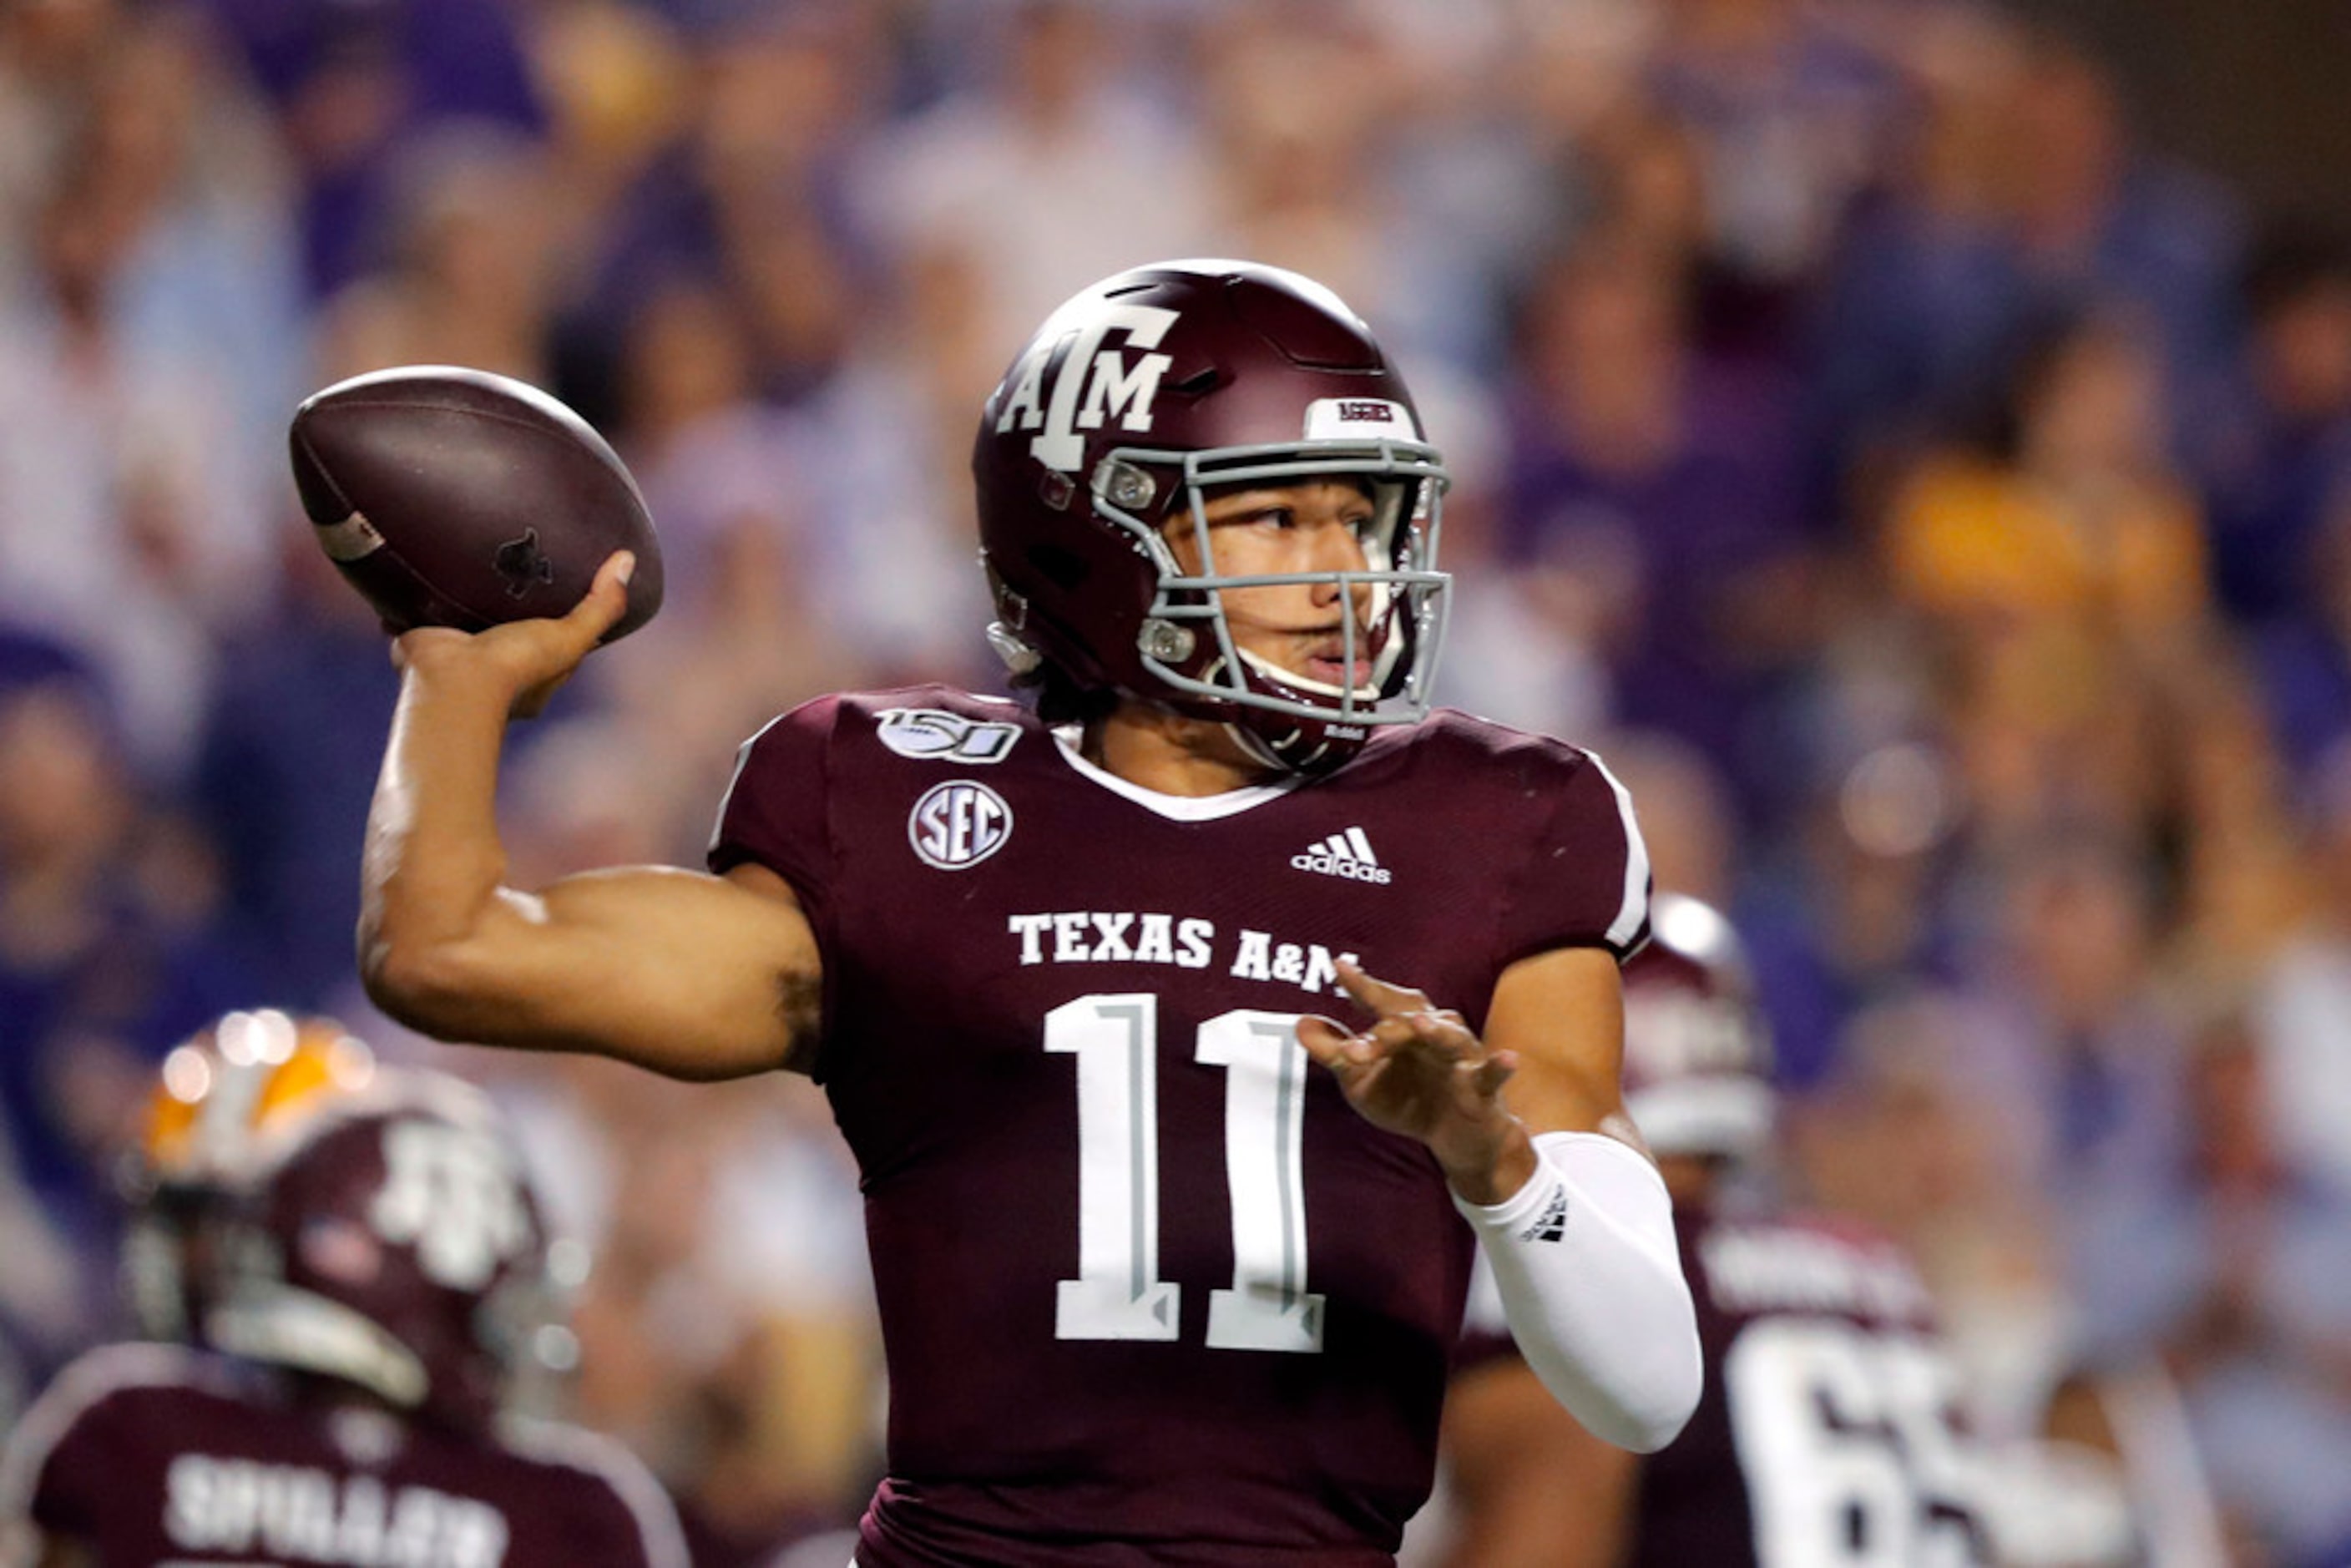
{"x": 1118, "y": 1293}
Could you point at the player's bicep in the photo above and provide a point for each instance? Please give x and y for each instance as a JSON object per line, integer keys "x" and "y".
{"x": 1562, "y": 1013}
{"x": 687, "y": 973}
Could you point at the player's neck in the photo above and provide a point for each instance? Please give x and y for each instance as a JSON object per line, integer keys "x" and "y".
{"x": 1163, "y": 751}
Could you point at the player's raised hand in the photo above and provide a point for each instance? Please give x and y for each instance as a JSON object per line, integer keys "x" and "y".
{"x": 530, "y": 658}
{"x": 1416, "y": 1069}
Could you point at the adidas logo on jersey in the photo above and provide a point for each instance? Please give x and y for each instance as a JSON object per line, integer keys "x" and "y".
{"x": 1347, "y": 854}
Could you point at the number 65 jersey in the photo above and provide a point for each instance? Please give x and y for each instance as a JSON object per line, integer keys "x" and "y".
{"x": 1831, "y": 1433}
{"x": 1150, "y": 1289}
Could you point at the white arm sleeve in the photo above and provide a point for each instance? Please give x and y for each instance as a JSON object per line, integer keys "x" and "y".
{"x": 1590, "y": 1281}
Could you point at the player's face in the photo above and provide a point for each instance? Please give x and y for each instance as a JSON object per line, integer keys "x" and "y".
{"x": 1317, "y": 526}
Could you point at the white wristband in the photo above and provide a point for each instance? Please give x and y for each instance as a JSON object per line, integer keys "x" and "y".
{"x": 1590, "y": 1281}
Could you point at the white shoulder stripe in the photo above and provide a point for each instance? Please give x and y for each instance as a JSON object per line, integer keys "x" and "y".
{"x": 1635, "y": 907}
{"x": 611, "y": 1462}
{"x": 83, "y": 1385}
{"x": 734, "y": 779}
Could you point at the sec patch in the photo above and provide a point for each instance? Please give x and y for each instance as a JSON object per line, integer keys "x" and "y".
{"x": 958, "y": 823}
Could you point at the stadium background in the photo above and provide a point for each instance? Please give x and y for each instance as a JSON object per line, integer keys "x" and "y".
{"x": 1907, "y": 437}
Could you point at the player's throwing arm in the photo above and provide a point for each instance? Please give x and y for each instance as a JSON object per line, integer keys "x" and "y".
{"x": 685, "y": 973}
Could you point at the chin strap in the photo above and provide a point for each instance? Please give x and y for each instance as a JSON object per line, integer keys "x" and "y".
{"x": 1019, "y": 658}
{"x": 1257, "y": 747}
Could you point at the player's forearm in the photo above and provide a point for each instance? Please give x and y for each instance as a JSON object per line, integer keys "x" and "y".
{"x": 433, "y": 863}
{"x": 1590, "y": 1281}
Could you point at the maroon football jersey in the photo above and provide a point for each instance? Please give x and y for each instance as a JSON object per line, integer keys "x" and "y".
{"x": 1150, "y": 1289}
{"x": 156, "y": 1456}
{"x": 1829, "y": 1431}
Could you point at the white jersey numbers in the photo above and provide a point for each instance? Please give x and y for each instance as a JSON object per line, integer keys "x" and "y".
{"x": 1118, "y": 1293}
{"x": 1847, "y": 1440}
{"x": 1268, "y": 1306}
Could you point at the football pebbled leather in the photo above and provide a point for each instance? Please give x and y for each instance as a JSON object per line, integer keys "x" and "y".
{"x": 451, "y": 497}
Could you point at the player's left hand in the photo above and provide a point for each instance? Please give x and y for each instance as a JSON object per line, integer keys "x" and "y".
{"x": 1418, "y": 1070}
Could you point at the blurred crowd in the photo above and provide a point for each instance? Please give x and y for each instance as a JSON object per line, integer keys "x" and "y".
{"x": 1934, "y": 503}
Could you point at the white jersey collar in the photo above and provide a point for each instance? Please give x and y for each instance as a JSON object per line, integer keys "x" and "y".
{"x": 1175, "y": 808}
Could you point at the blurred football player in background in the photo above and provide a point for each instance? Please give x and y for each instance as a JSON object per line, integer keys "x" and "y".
{"x": 1829, "y": 1429}
{"x": 373, "y": 1273}
{"x": 1152, "y": 1286}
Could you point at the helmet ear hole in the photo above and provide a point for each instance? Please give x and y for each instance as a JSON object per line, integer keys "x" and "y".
{"x": 1064, "y": 568}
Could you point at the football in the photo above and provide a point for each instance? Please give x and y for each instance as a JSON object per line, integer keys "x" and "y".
{"x": 454, "y": 498}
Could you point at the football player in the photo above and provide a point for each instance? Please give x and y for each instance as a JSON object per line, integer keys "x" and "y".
{"x": 1828, "y": 1431}
{"x": 377, "y": 1275}
{"x": 1170, "y": 1261}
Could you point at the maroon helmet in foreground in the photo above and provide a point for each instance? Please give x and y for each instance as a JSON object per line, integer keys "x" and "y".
{"x": 1698, "y": 1053}
{"x": 392, "y": 1243}
{"x": 1136, "y": 400}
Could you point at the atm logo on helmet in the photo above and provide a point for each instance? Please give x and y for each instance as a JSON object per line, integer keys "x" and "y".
{"x": 1094, "y": 384}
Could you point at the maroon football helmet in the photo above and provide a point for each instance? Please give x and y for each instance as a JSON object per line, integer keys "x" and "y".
{"x": 392, "y": 1241}
{"x": 1698, "y": 1053}
{"x": 1136, "y": 400}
